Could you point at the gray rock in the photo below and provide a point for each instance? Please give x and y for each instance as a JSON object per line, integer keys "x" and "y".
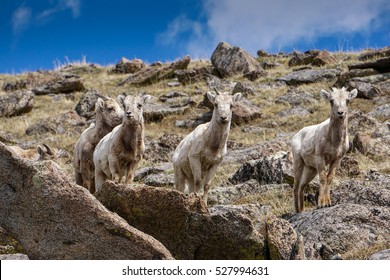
{"x": 230, "y": 60}
{"x": 16, "y": 103}
{"x": 309, "y": 76}
{"x": 275, "y": 169}
{"x": 14, "y": 257}
{"x": 86, "y": 106}
{"x": 382, "y": 255}
{"x": 55, "y": 219}
{"x": 194, "y": 75}
{"x": 370, "y": 54}
{"x": 313, "y": 57}
{"x": 13, "y": 86}
{"x": 156, "y": 112}
{"x": 342, "y": 229}
{"x": 296, "y": 98}
{"x": 160, "y": 180}
{"x": 381, "y": 111}
{"x": 69, "y": 123}
{"x": 382, "y": 65}
{"x": 295, "y": 111}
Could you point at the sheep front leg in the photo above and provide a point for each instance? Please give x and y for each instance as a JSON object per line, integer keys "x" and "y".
{"x": 323, "y": 182}
{"x": 331, "y": 173}
{"x": 129, "y": 174}
{"x": 114, "y": 170}
{"x": 196, "y": 168}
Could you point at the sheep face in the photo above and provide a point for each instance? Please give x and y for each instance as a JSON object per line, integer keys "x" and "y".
{"x": 133, "y": 108}
{"x": 339, "y": 99}
{"x": 223, "y": 104}
{"x": 110, "y": 110}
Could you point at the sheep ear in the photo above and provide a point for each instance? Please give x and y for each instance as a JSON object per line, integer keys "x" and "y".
{"x": 121, "y": 100}
{"x": 41, "y": 151}
{"x": 100, "y": 104}
{"x": 216, "y": 91}
{"x": 237, "y": 96}
{"x": 146, "y": 98}
{"x": 211, "y": 97}
{"x": 326, "y": 95}
{"x": 352, "y": 94}
{"x": 48, "y": 150}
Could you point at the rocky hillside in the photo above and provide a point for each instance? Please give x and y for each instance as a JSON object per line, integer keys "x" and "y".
{"x": 45, "y": 215}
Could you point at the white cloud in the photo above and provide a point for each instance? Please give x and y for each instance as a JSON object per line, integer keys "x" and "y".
{"x": 61, "y": 5}
{"x": 20, "y": 20}
{"x": 275, "y": 24}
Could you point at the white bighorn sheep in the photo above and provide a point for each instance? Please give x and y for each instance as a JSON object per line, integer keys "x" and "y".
{"x": 108, "y": 115}
{"x": 118, "y": 153}
{"x": 40, "y": 153}
{"x": 316, "y": 146}
{"x": 199, "y": 154}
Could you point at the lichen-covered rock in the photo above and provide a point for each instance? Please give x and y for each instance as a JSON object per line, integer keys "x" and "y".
{"x": 126, "y": 66}
{"x": 347, "y": 229}
{"x": 16, "y": 103}
{"x": 309, "y": 76}
{"x": 230, "y": 60}
{"x": 53, "y": 218}
{"x": 59, "y": 83}
{"x": 185, "y": 226}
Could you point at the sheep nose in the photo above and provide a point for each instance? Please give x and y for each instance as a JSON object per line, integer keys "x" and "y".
{"x": 340, "y": 113}
{"x": 128, "y": 114}
{"x": 223, "y": 118}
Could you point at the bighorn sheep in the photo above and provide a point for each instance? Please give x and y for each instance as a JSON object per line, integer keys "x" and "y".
{"x": 316, "y": 146}
{"x": 119, "y": 152}
{"x": 108, "y": 115}
{"x": 40, "y": 153}
{"x": 199, "y": 154}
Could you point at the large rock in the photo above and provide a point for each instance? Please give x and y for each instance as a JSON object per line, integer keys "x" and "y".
{"x": 13, "y": 86}
{"x": 68, "y": 122}
{"x": 309, "y": 76}
{"x": 55, "y": 219}
{"x": 126, "y": 66}
{"x": 86, "y": 105}
{"x": 8, "y": 244}
{"x": 16, "y": 103}
{"x": 230, "y": 60}
{"x": 59, "y": 83}
{"x": 347, "y": 229}
{"x": 154, "y": 74}
{"x": 382, "y": 65}
{"x": 370, "y": 54}
{"x": 156, "y": 112}
{"x": 313, "y": 57}
{"x": 276, "y": 169}
{"x": 190, "y": 231}
{"x": 194, "y": 75}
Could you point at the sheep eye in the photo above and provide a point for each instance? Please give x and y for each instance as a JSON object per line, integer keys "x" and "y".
{"x": 110, "y": 109}
{"x": 231, "y": 106}
{"x": 139, "y": 106}
{"x": 216, "y": 105}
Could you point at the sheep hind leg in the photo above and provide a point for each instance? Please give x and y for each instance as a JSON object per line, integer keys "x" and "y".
{"x": 331, "y": 173}
{"x": 180, "y": 179}
{"x": 78, "y": 178}
{"x": 308, "y": 174}
{"x": 100, "y": 178}
{"x": 298, "y": 169}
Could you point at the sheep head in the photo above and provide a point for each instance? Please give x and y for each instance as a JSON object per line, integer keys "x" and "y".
{"x": 109, "y": 110}
{"x": 133, "y": 108}
{"x": 339, "y": 99}
{"x": 223, "y": 104}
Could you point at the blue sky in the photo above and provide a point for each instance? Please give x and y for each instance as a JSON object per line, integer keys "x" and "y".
{"x": 37, "y": 34}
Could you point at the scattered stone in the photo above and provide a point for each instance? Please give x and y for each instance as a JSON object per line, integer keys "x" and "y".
{"x": 60, "y": 83}
{"x": 244, "y": 88}
{"x": 382, "y": 111}
{"x": 295, "y": 111}
{"x": 66, "y": 123}
{"x": 14, "y": 257}
{"x": 313, "y": 57}
{"x": 173, "y": 94}
{"x": 151, "y": 75}
{"x": 55, "y": 219}
{"x": 194, "y": 75}
{"x": 16, "y": 103}
{"x": 155, "y": 112}
{"x": 13, "y": 86}
{"x": 230, "y": 60}
{"x": 160, "y": 180}
{"x": 262, "y": 53}
{"x": 382, "y": 255}
{"x": 255, "y": 74}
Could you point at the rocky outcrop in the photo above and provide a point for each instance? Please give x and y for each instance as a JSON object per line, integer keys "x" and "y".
{"x": 346, "y": 229}
{"x": 153, "y": 74}
{"x": 59, "y": 83}
{"x": 312, "y": 57}
{"x": 53, "y": 218}
{"x": 309, "y": 76}
{"x": 68, "y": 122}
{"x": 13, "y": 86}
{"x": 230, "y": 60}
{"x": 126, "y": 66}
{"x": 370, "y": 54}
{"x": 382, "y": 65}
{"x": 16, "y": 103}
{"x": 191, "y": 231}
